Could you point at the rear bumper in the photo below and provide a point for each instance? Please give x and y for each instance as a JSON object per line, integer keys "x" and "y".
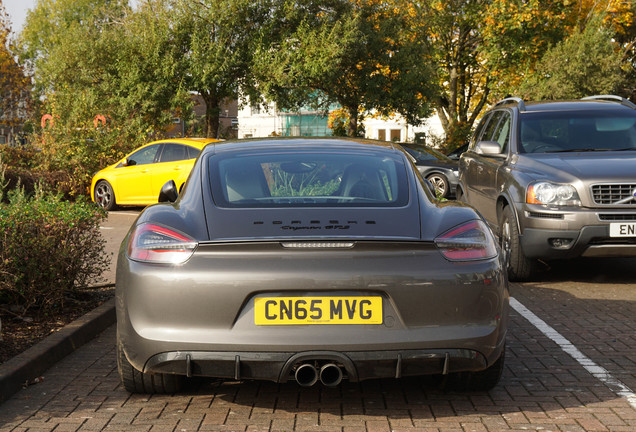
{"x": 281, "y": 367}
{"x": 202, "y": 319}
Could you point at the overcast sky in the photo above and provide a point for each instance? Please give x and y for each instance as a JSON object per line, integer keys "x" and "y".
{"x": 17, "y": 10}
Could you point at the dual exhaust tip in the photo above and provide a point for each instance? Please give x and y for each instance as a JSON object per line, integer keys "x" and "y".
{"x": 330, "y": 375}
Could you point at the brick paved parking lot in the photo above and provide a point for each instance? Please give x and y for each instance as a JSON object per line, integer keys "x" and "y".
{"x": 574, "y": 372}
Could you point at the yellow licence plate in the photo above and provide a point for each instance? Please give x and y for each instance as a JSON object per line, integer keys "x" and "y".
{"x": 317, "y": 310}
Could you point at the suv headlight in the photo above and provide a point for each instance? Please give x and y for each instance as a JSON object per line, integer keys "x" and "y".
{"x": 547, "y": 193}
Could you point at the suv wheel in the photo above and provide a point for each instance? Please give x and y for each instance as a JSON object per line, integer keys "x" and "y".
{"x": 519, "y": 266}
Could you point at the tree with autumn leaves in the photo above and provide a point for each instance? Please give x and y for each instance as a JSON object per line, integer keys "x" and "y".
{"x": 216, "y": 41}
{"x": 477, "y": 47}
{"x": 358, "y": 54}
{"x": 453, "y": 57}
{"x": 597, "y": 56}
{"x": 484, "y": 50}
{"x": 14, "y": 84}
{"x": 84, "y": 63}
{"x": 136, "y": 68}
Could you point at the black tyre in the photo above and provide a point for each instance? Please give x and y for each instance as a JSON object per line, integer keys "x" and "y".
{"x": 475, "y": 381}
{"x": 518, "y": 265}
{"x": 139, "y": 382}
{"x": 440, "y": 183}
{"x": 104, "y": 195}
{"x": 488, "y": 378}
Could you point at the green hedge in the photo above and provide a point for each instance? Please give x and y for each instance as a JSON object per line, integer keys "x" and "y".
{"x": 48, "y": 249}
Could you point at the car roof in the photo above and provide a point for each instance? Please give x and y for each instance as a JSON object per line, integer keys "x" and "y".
{"x": 590, "y": 104}
{"x": 298, "y": 143}
{"x": 194, "y": 142}
{"x": 579, "y": 105}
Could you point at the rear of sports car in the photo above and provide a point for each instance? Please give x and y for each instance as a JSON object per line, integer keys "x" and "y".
{"x": 313, "y": 262}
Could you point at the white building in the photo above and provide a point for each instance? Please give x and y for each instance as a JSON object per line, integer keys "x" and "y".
{"x": 396, "y": 129}
{"x": 262, "y": 121}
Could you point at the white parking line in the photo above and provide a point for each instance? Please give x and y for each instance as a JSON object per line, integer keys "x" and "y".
{"x": 597, "y": 371}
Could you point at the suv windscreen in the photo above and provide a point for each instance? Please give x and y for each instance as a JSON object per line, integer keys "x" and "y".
{"x": 571, "y": 131}
{"x": 308, "y": 179}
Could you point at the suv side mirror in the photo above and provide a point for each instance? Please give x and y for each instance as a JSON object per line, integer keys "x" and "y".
{"x": 169, "y": 192}
{"x": 488, "y": 148}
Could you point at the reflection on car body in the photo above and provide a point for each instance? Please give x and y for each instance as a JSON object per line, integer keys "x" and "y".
{"x": 308, "y": 260}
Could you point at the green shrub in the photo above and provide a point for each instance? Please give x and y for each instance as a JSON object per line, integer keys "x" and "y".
{"x": 48, "y": 249}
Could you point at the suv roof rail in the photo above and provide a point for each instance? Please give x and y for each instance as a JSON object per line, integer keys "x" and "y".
{"x": 614, "y": 98}
{"x": 518, "y": 101}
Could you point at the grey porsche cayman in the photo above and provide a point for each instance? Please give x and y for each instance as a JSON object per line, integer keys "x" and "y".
{"x": 314, "y": 260}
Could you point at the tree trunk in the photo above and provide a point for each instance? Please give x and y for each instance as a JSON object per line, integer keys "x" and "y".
{"x": 441, "y": 107}
{"x": 352, "y": 129}
{"x": 212, "y": 114}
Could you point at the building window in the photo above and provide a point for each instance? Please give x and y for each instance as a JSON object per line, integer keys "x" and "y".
{"x": 381, "y": 134}
{"x": 396, "y": 134}
{"x": 3, "y": 139}
{"x": 256, "y": 109}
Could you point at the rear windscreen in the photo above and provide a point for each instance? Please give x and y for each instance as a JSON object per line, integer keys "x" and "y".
{"x": 308, "y": 179}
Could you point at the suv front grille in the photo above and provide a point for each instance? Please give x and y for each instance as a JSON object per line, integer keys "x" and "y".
{"x": 607, "y": 194}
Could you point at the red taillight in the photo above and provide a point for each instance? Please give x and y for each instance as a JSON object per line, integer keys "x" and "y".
{"x": 157, "y": 244}
{"x": 470, "y": 241}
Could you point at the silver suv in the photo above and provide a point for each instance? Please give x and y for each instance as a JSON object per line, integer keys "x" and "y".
{"x": 555, "y": 179}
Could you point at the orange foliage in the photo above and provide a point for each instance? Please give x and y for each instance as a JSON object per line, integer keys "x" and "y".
{"x": 618, "y": 14}
{"x": 13, "y": 82}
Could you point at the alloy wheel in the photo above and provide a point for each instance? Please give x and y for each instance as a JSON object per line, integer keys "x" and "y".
{"x": 440, "y": 184}
{"x": 103, "y": 195}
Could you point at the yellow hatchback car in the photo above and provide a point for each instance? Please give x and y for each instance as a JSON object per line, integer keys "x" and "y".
{"x": 138, "y": 178}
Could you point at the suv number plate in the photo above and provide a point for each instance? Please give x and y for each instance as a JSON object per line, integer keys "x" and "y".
{"x": 623, "y": 230}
